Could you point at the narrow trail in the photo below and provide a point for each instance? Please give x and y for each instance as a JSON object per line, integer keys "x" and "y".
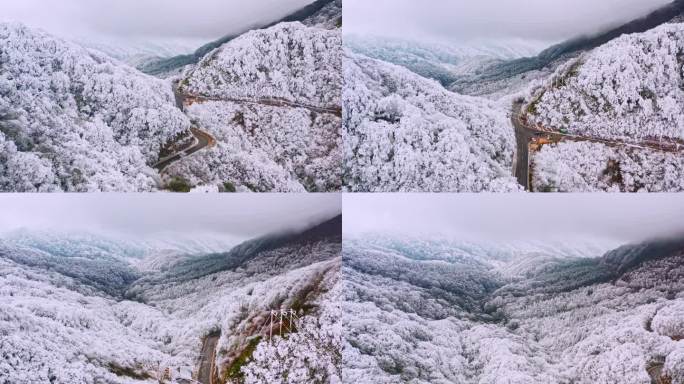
{"x": 526, "y": 135}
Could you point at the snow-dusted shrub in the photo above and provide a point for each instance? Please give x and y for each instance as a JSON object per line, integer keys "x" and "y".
{"x": 674, "y": 365}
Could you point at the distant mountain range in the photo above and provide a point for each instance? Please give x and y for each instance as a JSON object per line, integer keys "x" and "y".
{"x": 310, "y": 12}
{"x": 262, "y": 248}
{"x": 498, "y": 71}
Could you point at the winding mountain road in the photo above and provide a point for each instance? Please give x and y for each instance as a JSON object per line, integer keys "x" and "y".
{"x": 202, "y": 138}
{"x": 206, "y": 368}
{"x": 526, "y": 135}
{"x": 272, "y": 102}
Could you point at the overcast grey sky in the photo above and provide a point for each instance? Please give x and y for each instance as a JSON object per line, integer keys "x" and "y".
{"x": 453, "y": 20}
{"x": 141, "y": 215}
{"x": 501, "y": 217}
{"x": 141, "y": 19}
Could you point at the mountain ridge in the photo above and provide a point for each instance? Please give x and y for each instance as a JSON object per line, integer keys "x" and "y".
{"x": 173, "y": 63}
{"x": 502, "y": 70}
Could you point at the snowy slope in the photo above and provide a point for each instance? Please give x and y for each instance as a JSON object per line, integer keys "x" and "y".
{"x": 403, "y": 132}
{"x": 320, "y": 13}
{"x": 328, "y": 17}
{"x": 595, "y": 167}
{"x": 58, "y": 328}
{"x": 559, "y": 318}
{"x": 75, "y": 120}
{"x": 288, "y": 61}
{"x": 273, "y": 98}
{"x": 443, "y": 62}
{"x": 631, "y": 89}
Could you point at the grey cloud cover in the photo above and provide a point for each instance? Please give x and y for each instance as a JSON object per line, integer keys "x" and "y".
{"x": 549, "y": 20}
{"x": 155, "y": 19}
{"x": 502, "y": 217}
{"x": 142, "y": 215}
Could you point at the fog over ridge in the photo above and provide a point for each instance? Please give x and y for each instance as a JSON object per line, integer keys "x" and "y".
{"x": 464, "y": 20}
{"x": 154, "y": 20}
{"x": 142, "y": 215}
{"x": 509, "y": 217}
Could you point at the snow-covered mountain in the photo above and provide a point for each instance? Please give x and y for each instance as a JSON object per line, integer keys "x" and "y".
{"x": 500, "y": 77}
{"x": 328, "y": 16}
{"x": 629, "y": 95}
{"x": 403, "y": 132}
{"x": 630, "y": 89}
{"x": 320, "y": 13}
{"x": 289, "y": 61}
{"x": 81, "y": 311}
{"x": 437, "y": 311}
{"x": 271, "y": 98}
{"x": 75, "y": 120}
{"x": 443, "y": 62}
{"x": 72, "y": 119}
{"x": 617, "y": 96}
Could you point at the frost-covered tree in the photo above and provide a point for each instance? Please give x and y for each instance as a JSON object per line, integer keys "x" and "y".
{"x": 594, "y": 167}
{"x": 630, "y": 89}
{"x": 74, "y": 120}
{"x": 406, "y": 133}
{"x": 311, "y": 354}
{"x": 275, "y": 99}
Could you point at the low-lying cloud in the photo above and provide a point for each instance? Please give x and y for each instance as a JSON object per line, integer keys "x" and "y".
{"x": 501, "y": 217}
{"x": 550, "y": 20}
{"x": 142, "y": 215}
{"x": 152, "y": 19}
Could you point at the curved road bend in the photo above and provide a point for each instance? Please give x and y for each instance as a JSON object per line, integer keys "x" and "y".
{"x": 524, "y": 135}
{"x": 203, "y": 140}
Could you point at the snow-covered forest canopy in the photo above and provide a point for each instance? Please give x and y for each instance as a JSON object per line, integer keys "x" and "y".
{"x": 433, "y": 310}
{"x": 406, "y": 133}
{"x": 88, "y": 308}
{"x": 272, "y": 102}
{"x": 620, "y": 89}
{"x": 630, "y": 89}
{"x": 73, "y": 119}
